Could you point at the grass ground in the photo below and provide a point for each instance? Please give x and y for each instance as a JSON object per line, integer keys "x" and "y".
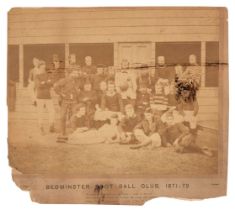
{"x": 29, "y": 152}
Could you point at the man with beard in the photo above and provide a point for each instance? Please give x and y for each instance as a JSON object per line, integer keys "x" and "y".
{"x": 89, "y": 68}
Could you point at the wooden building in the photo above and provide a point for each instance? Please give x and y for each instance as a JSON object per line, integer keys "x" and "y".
{"x": 111, "y": 34}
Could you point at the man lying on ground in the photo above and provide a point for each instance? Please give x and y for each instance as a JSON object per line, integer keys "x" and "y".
{"x": 180, "y": 136}
{"x": 108, "y": 133}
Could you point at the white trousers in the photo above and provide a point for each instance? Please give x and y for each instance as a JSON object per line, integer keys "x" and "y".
{"x": 41, "y": 105}
{"x": 32, "y": 91}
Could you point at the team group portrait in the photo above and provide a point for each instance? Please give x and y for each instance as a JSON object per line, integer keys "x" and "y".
{"x": 135, "y": 106}
{"x": 147, "y": 107}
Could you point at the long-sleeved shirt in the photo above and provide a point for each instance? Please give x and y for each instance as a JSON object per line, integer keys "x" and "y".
{"x": 193, "y": 73}
{"x": 165, "y": 72}
{"x": 96, "y": 79}
{"x": 158, "y": 99}
{"x": 147, "y": 127}
{"x": 112, "y": 102}
{"x": 142, "y": 100}
{"x": 128, "y": 124}
{"x": 56, "y": 74}
{"x": 43, "y": 84}
{"x": 89, "y": 98}
{"x": 72, "y": 67}
{"x": 126, "y": 78}
{"x": 32, "y": 74}
{"x": 68, "y": 89}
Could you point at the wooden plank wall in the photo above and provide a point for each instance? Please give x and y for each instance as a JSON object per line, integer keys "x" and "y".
{"x": 114, "y": 25}
{"x": 90, "y": 25}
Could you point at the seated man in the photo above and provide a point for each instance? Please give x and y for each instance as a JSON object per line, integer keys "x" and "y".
{"x": 127, "y": 125}
{"x": 111, "y": 103}
{"x": 89, "y": 98}
{"x": 146, "y": 132}
{"x": 108, "y": 133}
{"x": 180, "y": 136}
{"x": 80, "y": 121}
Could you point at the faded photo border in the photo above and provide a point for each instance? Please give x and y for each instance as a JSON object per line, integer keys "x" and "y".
{"x": 93, "y": 187}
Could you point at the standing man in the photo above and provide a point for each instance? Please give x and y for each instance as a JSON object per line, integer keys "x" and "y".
{"x": 68, "y": 89}
{"x": 72, "y": 64}
{"x": 164, "y": 73}
{"x": 56, "y": 71}
{"x": 125, "y": 82}
{"x": 165, "y": 77}
{"x": 43, "y": 84}
{"x": 98, "y": 77}
{"x": 31, "y": 80}
{"x": 111, "y": 73}
{"x": 152, "y": 77}
{"x": 142, "y": 100}
{"x": 193, "y": 71}
{"x": 89, "y": 97}
{"x": 89, "y": 68}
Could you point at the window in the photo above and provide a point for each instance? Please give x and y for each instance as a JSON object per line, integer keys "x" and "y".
{"x": 134, "y": 53}
{"x": 178, "y": 52}
{"x": 212, "y": 64}
{"x": 13, "y": 63}
{"x": 101, "y": 53}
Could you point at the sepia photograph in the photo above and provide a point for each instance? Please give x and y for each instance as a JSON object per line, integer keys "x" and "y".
{"x": 119, "y": 93}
